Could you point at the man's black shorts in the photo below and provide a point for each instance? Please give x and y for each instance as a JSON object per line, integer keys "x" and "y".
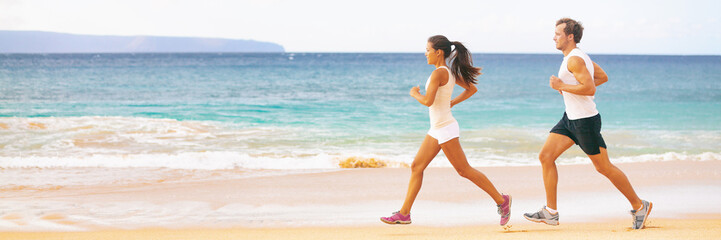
{"x": 585, "y": 132}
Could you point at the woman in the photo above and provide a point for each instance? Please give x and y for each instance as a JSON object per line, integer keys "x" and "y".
{"x": 444, "y": 132}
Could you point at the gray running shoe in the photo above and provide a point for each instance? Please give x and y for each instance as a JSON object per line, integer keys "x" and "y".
{"x": 640, "y": 216}
{"x": 542, "y": 216}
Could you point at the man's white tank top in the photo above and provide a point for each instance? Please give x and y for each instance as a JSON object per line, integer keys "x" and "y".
{"x": 577, "y": 106}
{"x": 440, "y": 110}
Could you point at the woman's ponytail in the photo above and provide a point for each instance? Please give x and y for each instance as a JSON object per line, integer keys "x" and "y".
{"x": 462, "y": 64}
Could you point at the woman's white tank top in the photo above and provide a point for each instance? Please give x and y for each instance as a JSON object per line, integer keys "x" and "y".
{"x": 440, "y": 110}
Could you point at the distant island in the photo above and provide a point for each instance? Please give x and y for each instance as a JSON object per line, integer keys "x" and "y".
{"x": 52, "y": 42}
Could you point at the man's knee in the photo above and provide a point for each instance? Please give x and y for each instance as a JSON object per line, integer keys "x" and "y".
{"x": 546, "y": 158}
{"x": 604, "y": 169}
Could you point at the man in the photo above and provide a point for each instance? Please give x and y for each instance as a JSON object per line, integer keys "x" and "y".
{"x": 580, "y": 124}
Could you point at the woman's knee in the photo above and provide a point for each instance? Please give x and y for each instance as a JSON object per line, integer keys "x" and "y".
{"x": 465, "y": 172}
{"x": 417, "y": 168}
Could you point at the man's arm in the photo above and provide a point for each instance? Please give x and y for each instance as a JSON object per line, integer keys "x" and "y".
{"x": 599, "y": 76}
{"x": 585, "y": 85}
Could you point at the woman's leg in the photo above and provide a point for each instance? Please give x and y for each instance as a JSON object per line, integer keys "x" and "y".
{"x": 429, "y": 149}
{"x": 455, "y": 155}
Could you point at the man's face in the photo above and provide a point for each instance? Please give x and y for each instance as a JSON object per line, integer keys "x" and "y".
{"x": 560, "y": 36}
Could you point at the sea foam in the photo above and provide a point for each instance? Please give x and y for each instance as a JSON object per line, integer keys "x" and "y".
{"x": 132, "y": 142}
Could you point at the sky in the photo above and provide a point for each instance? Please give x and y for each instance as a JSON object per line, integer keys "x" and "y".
{"x": 502, "y": 26}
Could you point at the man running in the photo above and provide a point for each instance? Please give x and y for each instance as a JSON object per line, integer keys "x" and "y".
{"x": 580, "y": 124}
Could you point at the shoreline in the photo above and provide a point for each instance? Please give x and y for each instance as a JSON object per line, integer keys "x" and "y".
{"x": 348, "y": 200}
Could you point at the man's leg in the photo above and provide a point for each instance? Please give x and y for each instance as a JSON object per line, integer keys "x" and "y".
{"x": 555, "y": 145}
{"x": 618, "y": 178}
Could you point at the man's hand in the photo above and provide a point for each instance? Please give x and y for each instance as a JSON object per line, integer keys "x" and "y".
{"x": 555, "y": 83}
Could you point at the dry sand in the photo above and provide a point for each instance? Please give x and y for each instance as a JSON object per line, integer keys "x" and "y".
{"x": 658, "y": 229}
{"x": 685, "y": 196}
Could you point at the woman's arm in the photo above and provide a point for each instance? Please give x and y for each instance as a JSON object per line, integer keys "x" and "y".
{"x": 470, "y": 89}
{"x": 436, "y": 79}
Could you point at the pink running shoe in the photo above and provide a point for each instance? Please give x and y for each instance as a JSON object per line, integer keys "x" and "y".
{"x": 397, "y": 218}
{"x": 505, "y": 209}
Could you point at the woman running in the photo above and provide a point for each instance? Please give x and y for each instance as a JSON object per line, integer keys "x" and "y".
{"x": 444, "y": 132}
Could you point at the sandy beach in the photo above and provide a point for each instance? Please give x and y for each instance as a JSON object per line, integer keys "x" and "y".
{"x": 346, "y": 203}
{"x": 661, "y": 229}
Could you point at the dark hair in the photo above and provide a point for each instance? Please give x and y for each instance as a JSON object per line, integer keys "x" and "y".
{"x": 572, "y": 27}
{"x": 461, "y": 61}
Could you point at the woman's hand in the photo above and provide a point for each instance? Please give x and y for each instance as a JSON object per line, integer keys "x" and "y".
{"x": 415, "y": 90}
{"x": 470, "y": 89}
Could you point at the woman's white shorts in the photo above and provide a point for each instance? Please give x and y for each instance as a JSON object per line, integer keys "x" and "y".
{"x": 446, "y": 133}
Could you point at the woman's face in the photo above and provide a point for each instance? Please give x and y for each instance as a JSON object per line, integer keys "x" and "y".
{"x": 432, "y": 55}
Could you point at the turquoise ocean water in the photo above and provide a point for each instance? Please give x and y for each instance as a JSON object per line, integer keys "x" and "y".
{"x": 312, "y": 110}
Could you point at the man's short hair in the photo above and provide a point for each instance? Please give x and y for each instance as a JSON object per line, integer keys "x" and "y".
{"x": 572, "y": 27}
